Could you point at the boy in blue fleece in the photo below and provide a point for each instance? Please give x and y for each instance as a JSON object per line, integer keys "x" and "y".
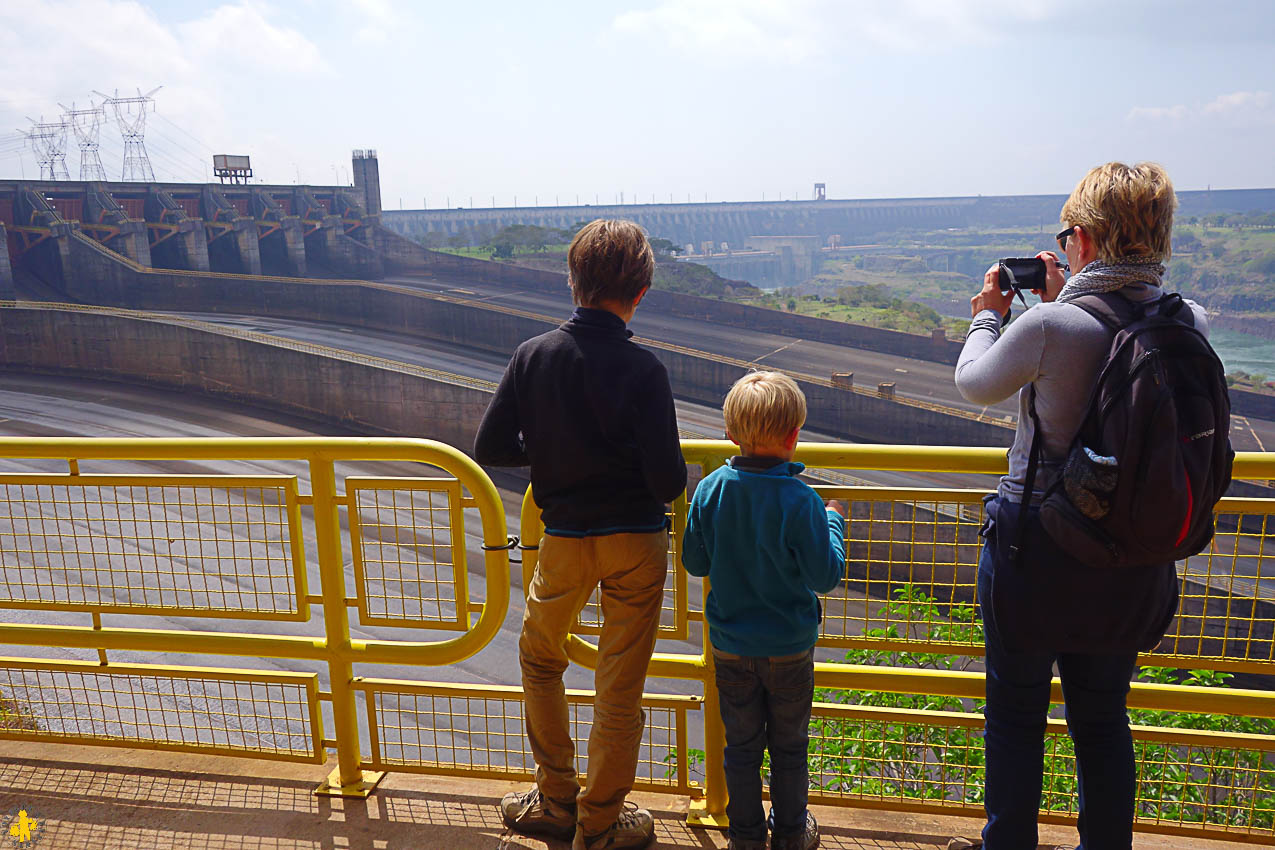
{"x": 768, "y": 545}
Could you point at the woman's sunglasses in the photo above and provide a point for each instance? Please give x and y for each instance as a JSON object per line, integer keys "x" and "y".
{"x": 1062, "y": 237}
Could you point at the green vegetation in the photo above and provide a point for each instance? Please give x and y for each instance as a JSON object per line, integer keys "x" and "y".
{"x": 877, "y": 305}
{"x": 922, "y": 280}
{"x": 1189, "y": 784}
{"x": 546, "y": 248}
{"x": 905, "y": 759}
{"x": 1229, "y": 267}
{"x": 1245, "y": 381}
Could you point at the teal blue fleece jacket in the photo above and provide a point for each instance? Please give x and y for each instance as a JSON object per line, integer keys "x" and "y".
{"x": 767, "y": 545}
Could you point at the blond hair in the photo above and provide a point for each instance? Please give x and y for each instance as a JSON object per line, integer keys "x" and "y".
{"x": 763, "y": 408}
{"x": 1126, "y": 209}
{"x": 610, "y": 261}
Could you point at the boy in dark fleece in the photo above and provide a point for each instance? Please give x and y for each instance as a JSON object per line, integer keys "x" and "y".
{"x": 768, "y": 545}
{"x": 592, "y": 414}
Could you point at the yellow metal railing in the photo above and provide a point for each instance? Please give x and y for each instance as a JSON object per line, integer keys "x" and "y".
{"x": 906, "y": 611}
{"x": 343, "y": 556}
{"x": 233, "y": 546}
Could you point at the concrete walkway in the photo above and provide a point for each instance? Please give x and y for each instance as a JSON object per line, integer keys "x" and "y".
{"x": 85, "y": 798}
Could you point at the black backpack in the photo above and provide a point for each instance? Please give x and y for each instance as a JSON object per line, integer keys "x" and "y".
{"x": 1153, "y": 453}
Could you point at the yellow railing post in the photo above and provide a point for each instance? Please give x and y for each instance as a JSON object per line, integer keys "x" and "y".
{"x": 711, "y": 811}
{"x": 349, "y": 779}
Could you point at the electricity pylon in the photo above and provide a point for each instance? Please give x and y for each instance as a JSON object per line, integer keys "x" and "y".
{"x": 86, "y": 124}
{"x": 48, "y": 142}
{"x": 130, "y": 117}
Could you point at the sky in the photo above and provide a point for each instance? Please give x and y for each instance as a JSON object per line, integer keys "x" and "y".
{"x": 504, "y": 101}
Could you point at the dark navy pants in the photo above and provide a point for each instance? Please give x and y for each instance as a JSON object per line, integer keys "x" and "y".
{"x": 1094, "y": 688}
{"x": 765, "y": 704}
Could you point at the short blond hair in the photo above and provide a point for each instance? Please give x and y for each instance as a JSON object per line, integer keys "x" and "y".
{"x": 763, "y": 408}
{"x": 1126, "y": 209}
{"x": 610, "y": 260}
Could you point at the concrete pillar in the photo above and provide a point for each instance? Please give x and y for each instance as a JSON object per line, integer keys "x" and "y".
{"x": 844, "y": 380}
{"x": 186, "y": 249}
{"x": 293, "y": 233}
{"x": 192, "y": 245}
{"x": 7, "y": 292}
{"x": 133, "y": 242}
{"x": 234, "y": 251}
{"x": 244, "y": 238}
{"x": 282, "y": 236}
{"x": 367, "y": 179}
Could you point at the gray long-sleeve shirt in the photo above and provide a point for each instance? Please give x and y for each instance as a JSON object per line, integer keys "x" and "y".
{"x": 1060, "y": 348}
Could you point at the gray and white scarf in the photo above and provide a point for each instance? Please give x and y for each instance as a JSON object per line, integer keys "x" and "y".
{"x": 1099, "y": 276}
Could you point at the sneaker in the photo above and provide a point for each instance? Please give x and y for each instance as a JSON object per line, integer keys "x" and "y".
{"x": 965, "y": 844}
{"x": 744, "y": 844}
{"x": 532, "y": 813}
{"x": 808, "y": 840}
{"x": 633, "y": 829}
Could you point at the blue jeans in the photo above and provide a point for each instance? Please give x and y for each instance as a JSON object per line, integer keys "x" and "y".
{"x": 765, "y": 704}
{"x": 1094, "y": 691}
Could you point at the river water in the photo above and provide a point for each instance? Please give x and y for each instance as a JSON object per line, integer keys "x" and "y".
{"x": 1244, "y": 352}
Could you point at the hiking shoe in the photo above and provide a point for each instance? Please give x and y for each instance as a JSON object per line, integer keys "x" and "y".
{"x": 633, "y": 829}
{"x": 965, "y": 844}
{"x": 745, "y": 844}
{"x": 807, "y": 840}
{"x": 532, "y": 813}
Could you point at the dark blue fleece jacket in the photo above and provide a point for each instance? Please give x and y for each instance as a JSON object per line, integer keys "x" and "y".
{"x": 767, "y": 545}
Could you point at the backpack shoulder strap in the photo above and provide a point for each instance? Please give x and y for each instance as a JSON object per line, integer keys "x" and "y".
{"x": 1114, "y": 311}
{"x": 1029, "y": 480}
{"x": 1117, "y": 312}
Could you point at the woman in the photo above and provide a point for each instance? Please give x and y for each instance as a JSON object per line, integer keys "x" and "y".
{"x": 1039, "y": 605}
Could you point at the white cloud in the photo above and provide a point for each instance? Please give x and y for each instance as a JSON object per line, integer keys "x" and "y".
{"x": 59, "y": 51}
{"x": 1240, "y": 101}
{"x": 241, "y": 33}
{"x": 793, "y": 30}
{"x": 1241, "y": 106}
{"x": 1157, "y": 113}
{"x": 774, "y": 29}
{"x": 378, "y": 21}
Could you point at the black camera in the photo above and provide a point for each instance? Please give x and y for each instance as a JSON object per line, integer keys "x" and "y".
{"x": 1021, "y": 273}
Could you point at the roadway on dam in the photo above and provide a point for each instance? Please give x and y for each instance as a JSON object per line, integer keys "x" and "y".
{"x": 915, "y": 378}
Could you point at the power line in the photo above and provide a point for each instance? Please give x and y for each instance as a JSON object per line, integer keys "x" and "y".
{"x": 193, "y": 138}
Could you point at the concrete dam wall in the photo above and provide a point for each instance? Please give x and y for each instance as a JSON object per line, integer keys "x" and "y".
{"x": 850, "y": 219}
{"x": 695, "y": 376}
{"x": 177, "y": 356}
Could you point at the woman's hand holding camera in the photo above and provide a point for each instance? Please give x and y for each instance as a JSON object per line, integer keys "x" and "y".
{"x": 990, "y": 296}
{"x": 1054, "y": 279}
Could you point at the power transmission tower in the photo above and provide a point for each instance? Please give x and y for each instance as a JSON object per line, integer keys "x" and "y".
{"x": 86, "y": 124}
{"x": 130, "y": 117}
{"x": 48, "y": 141}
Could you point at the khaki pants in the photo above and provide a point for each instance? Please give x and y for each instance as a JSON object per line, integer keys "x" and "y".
{"x": 631, "y": 569}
